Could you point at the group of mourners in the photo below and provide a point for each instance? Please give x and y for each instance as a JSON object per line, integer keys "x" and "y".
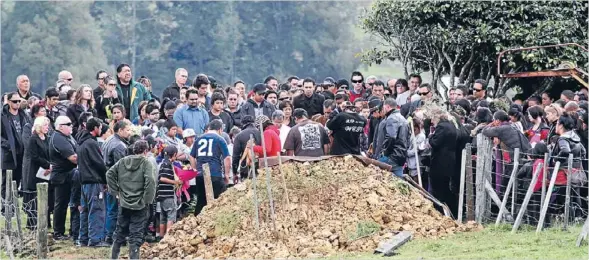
{"x": 116, "y": 155}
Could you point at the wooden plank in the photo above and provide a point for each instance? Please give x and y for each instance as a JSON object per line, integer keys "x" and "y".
{"x": 469, "y": 185}
{"x": 567, "y": 203}
{"x": 584, "y": 231}
{"x": 509, "y": 186}
{"x": 547, "y": 199}
{"x": 495, "y": 198}
{"x": 462, "y": 184}
{"x": 42, "y": 212}
{"x": 427, "y": 195}
{"x": 387, "y": 247}
{"x": 210, "y": 195}
{"x": 524, "y": 206}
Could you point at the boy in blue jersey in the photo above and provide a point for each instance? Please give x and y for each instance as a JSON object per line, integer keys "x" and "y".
{"x": 210, "y": 148}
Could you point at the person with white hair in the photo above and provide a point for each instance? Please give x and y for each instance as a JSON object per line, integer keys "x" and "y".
{"x": 36, "y": 157}
{"x": 63, "y": 157}
{"x": 66, "y": 76}
{"x": 172, "y": 92}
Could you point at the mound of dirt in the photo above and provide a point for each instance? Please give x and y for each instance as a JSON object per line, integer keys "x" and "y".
{"x": 335, "y": 205}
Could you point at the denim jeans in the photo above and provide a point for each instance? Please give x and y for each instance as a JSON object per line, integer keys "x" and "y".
{"x": 397, "y": 170}
{"x": 112, "y": 209}
{"x": 93, "y": 214}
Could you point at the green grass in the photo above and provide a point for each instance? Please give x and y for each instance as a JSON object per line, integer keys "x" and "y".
{"x": 491, "y": 243}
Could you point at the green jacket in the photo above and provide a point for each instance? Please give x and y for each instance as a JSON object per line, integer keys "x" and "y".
{"x": 137, "y": 93}
{"x": 131, "y": 179}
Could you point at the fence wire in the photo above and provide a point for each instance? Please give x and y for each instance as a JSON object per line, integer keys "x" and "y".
{"x": 498, "y": 174}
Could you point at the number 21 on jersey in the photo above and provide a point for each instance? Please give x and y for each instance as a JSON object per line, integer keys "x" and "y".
{"x": 205, "y": 147}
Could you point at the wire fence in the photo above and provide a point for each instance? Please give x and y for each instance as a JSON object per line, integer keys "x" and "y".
{"x": 502, "y": 186}
{"x": 24, "y": 222}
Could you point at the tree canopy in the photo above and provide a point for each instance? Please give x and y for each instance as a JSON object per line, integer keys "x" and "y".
{"x": 463, "y": 38}
{"x": 229, "y": 40}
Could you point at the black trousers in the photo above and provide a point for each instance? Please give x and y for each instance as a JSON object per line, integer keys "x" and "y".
{"x": 62, "y": 199}
{"x": 130, "y": 223}
{"x": 440, "y": 185}
{"x": 16, "y": 176}
{"x": 201, "y": 197}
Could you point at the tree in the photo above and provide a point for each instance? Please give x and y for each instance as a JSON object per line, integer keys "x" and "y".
{"x": 60, "y": 35}
{"x": 462, "y": 38}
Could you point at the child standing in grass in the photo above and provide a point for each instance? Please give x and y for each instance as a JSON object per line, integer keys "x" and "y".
{"x": 166, "y": 194}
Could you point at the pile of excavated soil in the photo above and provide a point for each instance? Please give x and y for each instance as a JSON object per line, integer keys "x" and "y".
{"x": 335, "y": 205}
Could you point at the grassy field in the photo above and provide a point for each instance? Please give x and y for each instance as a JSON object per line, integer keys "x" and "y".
{"x": 490, "y": 243}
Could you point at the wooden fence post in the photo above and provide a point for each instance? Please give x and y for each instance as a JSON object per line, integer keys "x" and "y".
{"x": 480, "y": 188}
{"x": 544, "y": 178}
{"x": 567, "y": 204}
{"x": 42, "y": 212}
{"x": 7, "y": 206}
{"x": 469, "y": 184}
{"x": 208, "y": 183}
{"x": 547, "y": 199}
{"x": 255, "y": 189}
{"x": 509, "y": 186}
{"x": 17, "y": 215}
{"x": 462, "y": 184}
{"x": 483, "y": 174}
{"x": 268, "y": 178}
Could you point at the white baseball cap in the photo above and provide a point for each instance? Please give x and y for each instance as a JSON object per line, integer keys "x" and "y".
{"x": 188, "y": 132}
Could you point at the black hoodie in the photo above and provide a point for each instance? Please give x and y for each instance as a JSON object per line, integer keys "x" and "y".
{"x": 90, "y": 160}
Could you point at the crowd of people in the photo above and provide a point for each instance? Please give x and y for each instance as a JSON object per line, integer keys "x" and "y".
{"x": 114, "y": 155}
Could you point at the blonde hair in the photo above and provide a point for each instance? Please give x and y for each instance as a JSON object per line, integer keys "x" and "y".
{"x": 39, "y": 122}
{"x": 553, "y": 109}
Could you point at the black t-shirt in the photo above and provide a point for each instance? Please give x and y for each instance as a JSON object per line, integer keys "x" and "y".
{"x": 225, "y": 117}
{"x": 347, "y": 128}
{"x": 17, "y": 122}
{"x": 60, "y": 148}
{"x": 126, "y": 89}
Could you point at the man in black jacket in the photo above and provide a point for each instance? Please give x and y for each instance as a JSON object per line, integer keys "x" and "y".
{"x": 13, "y": 121}
{"x": 257, "y": 105}
{"x": 240, "y": 143}
{"x": 93, "y": 179}
{"x": 172, "y": 92}
{"x": 309, "y": 101}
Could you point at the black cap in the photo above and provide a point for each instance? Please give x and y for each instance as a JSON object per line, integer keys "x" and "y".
{"x": 374, "y": 104}
{"x": 247, "y": 119}
{"x": 329, "y": 80}
{"x": 342, "y": 82}
{"x": 299, "y": 113}
{"x": 260, "y": 88}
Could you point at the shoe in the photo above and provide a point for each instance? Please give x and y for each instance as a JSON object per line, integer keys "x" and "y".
{"x": 79, "y": 243}
{"x": 99, "y": 244}
{"x": 149, "y": 239}
{"x": 59, "y": 237}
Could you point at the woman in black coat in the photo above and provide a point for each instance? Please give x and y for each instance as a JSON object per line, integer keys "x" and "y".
{"x": 37, "y": 157}
{"x": 443, "y": 144}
